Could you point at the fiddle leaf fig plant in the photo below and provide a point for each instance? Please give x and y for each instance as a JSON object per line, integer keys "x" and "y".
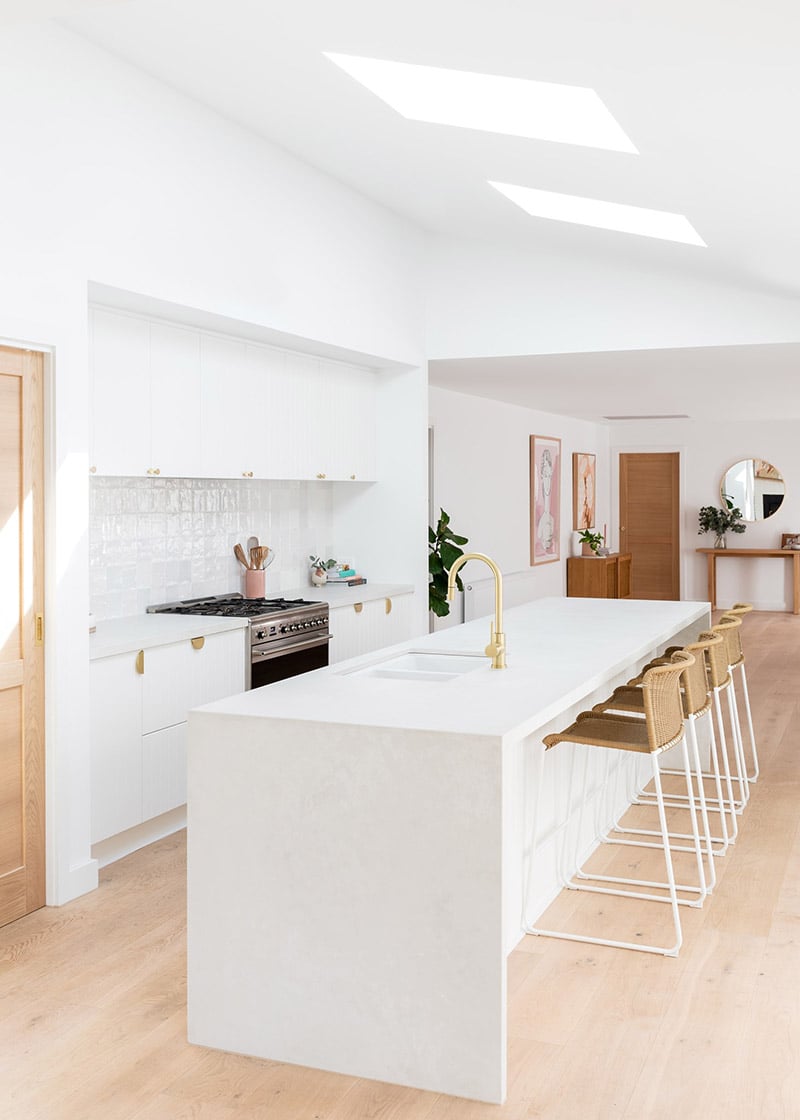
{"x": 444, "y": 548}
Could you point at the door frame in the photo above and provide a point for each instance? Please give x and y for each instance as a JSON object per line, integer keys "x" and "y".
{"x": 617, "y": 449}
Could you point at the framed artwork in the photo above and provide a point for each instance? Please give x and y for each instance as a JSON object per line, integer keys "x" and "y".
{"x": 545, "y": 499}
{"x": 583, "y": 490}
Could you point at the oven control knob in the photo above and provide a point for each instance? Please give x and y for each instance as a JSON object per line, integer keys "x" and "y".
{"x": 260, "y": 634}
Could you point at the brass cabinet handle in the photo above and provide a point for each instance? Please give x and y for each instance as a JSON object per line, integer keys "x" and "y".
{"x": 322, "y": 476}
{"x": 352, "y": 476}
{"x": 358, "y": 607}
{"x": 92, "y": 470}
{"x": 154, "y": 470}
{"x": 198, "y": 643}
{"x": 140, "y": 662}
{"x": 388, "y": 606}
{"x": 247, "y": 474}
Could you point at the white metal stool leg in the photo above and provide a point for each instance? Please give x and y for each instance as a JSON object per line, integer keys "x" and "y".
{"x": 753, "y": 749}
{"x": 667, "y": 951}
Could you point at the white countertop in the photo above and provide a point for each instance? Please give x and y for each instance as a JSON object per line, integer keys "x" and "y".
{"x": 143, "y": 631}
{"x": 346, "y": 596}
{"x": 559, "y": 650}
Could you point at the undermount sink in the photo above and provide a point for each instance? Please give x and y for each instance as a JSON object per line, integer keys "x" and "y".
{"x": 420, "y": 665}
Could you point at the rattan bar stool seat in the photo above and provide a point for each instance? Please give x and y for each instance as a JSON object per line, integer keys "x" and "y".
{"x": 661, "y": 729}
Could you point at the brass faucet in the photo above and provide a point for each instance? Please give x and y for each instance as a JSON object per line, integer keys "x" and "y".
{"x": 496, "y": 648}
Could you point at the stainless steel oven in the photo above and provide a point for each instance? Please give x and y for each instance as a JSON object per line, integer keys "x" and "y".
{"x": 287, "y": 636}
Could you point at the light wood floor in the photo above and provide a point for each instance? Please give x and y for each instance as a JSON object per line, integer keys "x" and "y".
{"x": 93, "y": 994}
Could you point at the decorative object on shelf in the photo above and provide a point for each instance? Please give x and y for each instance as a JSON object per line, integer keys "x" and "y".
{"x": 319, "y": 570}
{"x": 545, "y": 466}
{"x": 755, "y": 487}
{"x": 444, "y": 548}
{"x": 583, "y": 489}
{"x": 721, "y": 521}
{"x": 591, "y": 543}
{"x": 790, "y": 541}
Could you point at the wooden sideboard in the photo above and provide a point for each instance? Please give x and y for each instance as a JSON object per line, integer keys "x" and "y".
{"x": 712, "y": 554}
{"x": 599, "y": 577}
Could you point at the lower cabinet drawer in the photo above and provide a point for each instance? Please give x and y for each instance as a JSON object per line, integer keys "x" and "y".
{"x": 163, "y": 770}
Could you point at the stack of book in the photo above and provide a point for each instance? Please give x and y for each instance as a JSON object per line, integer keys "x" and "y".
{"x": 346, "y": 577}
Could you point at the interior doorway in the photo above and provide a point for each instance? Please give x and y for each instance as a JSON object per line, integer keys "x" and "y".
{"x": 649, "y": 522}
{"x": 22, "y": 759}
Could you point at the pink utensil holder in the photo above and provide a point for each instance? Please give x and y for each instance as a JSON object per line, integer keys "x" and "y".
{"x": 254, "y": 583}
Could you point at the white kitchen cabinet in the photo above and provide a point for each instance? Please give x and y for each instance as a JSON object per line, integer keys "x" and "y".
{"x": 355, "y": 632}
{"x": 227, "y": 409}
{"x": 175, "y": 391}
{"x": 138, "y": 723}
{"x": 163, "y": 770}
{"x": 120, "y": 394}
{"x": 181, "y": 402}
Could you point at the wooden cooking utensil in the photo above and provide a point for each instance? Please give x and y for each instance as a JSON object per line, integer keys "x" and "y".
{"x": 238, "y": 552}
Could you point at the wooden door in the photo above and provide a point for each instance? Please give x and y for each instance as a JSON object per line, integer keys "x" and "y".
{"x": 649, "y": 520}
{"x": 22, "y": 882}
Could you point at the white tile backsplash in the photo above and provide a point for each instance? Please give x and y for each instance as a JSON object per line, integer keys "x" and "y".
{"x": 154, "y": 540}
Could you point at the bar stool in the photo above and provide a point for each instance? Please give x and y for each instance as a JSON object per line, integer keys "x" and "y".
{"x": 701, "y": 698}
{"x": 729, "y": 626}
{"x": 739, "y": 610}
{"x": 697, "y": 702}
{"x": 661, "y": 728}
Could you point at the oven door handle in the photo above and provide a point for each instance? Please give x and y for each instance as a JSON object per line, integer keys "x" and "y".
{"x": 268, "y": 656}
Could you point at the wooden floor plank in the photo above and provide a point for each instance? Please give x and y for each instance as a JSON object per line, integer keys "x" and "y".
{"x": 93, "y": 1022}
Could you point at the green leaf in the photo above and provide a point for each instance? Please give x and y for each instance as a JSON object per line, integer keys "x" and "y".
{"x": 439, "y": 608}
{"x": 435, "y": 563}
{"x": 450, "y": 553}
{"x": 431, "y": 535}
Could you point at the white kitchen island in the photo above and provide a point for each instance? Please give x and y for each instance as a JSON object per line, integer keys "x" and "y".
{"x": 360, "y": 846}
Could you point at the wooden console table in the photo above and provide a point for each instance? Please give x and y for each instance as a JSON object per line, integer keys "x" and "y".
{"x": 711, "y": 555}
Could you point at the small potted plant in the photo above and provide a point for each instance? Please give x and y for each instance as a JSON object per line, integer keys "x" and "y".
{"x": 320, "y": 569}
{"x": 721, "y": 521}
{"x": 590, "y": 543}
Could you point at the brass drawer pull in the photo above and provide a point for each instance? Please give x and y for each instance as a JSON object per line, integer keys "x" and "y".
{"x": 198, "y": 643}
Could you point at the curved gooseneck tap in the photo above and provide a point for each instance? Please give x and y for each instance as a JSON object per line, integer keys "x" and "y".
{"x": 496, "y": 648}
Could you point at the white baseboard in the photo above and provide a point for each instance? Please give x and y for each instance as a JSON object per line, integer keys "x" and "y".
{"x": 75, "y": 882}
{"x": 116, "y": 847}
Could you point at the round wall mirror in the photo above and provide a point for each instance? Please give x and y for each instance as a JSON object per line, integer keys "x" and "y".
{"x": 755, "y": 486}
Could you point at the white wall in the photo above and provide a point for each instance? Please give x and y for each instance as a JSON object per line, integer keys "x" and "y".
{"x": 482, "y": 473}
{"x": 707, "y": 450}
{"x": 111, "y": 177}
{"x": 158, "y": 540}
{"x": 491, "y": 300}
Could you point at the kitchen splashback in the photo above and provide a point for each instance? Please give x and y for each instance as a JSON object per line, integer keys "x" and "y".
{"x": 155, "y": 540}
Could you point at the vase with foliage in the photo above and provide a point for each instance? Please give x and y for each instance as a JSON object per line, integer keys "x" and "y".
{"x": 591, "y": 542}
{"x": 721, "y": 521}
{"x": 444, "y": 548}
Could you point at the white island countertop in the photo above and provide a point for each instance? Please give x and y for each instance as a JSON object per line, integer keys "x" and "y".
{"x": 364, "y": 852}
{"x": 558, "y": 651}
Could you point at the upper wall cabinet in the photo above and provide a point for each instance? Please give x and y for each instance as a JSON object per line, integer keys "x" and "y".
{"x": 176, "y": 401}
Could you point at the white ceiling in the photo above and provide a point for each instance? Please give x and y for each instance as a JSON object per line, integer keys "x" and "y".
{"x": 713, "y": 383}
{"x": 707, "y": 90}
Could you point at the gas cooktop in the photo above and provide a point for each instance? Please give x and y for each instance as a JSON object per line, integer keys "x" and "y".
{"x": 232, "y": 606}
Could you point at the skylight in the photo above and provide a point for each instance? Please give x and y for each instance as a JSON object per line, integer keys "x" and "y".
{"x": 602, "y": 215}
{"x": 489, "y": 103}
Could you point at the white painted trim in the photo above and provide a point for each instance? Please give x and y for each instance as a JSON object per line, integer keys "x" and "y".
{"x": 76, "y": 882}
{"x": 116, "y": 847}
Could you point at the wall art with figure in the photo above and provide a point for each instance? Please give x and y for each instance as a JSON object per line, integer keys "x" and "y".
{"x": 545, "y": 499}
{"x": 583, "y": 490}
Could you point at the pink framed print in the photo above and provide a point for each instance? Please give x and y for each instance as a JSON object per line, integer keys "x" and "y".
{"x": 583, "y": 490}
{"x": 545, "y": 499}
